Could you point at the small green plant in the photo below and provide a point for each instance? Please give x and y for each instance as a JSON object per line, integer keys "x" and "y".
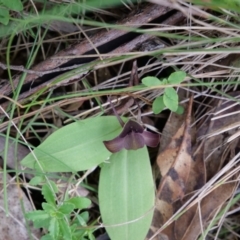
{"x": 6, "y": 6}
{"x": 61, "y": 220}
{"x": 169, "y": 98}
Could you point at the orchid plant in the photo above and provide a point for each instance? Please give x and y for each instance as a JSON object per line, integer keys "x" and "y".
{"x": 118, "y": 145}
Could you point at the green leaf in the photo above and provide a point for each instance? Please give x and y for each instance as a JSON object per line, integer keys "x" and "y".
{"x": 47, "y": 237}
{"x": 48, "y": 208}
{"x": 75, "y": 147}
{"x": 80, "y": 202}
{"x": 4, "y": 16}
{"x": 54, "y": 228}
{"x": 65, "y": 229}
{"x": 158, "y": 105}
{"x": 36, "y": 180}
{"x": 91, "y": 236}
{"x": 37, "y": 215}
{"x": 170, "y": 99}
{"x": 164, "y": 81}
{"x": 58, "y": 215}
{"x": 151, "y": 81}
{"x": 176, "y": 77}
{"x": 66, "y": 208}
{"x": 180, "y": 110}
{"x": 15, "y": 5}
{"x": 126, "y": 194}
{"x": 80, "y": 220}
{"x": 48, "y": 193}
{"x": 42, "y": 223}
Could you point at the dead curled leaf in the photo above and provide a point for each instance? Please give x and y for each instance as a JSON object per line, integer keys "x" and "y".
{"x": 175, "y": 163}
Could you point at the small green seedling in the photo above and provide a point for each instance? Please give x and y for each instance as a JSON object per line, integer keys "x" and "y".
{"x": 60, "y": 220}
{"x": 169, "y": 98}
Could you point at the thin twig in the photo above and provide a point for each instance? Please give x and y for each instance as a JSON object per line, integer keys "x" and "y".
{"x": 22, "y": 69}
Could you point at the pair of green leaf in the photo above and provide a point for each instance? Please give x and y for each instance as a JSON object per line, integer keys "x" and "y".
{"x": 126, "y": 188}
{"x": 169, "y": 98}
{"x": 5, "y": 6}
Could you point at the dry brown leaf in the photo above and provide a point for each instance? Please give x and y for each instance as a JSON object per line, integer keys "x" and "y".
{"x": 197, "y": 176}
{"x": 175, "y": 163}
{"x": 161, "y": 214}
{"x": 73, "y": 106}
{"x": 208, "y": 206}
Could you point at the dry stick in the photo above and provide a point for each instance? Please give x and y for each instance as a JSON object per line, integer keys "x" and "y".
{"x": 38, "y": 73}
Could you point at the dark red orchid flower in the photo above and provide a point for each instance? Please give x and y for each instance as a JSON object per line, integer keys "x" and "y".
{"x": 132, "y": 137}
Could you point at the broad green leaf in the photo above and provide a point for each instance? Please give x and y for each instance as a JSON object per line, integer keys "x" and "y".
{"x": 66, "y": 208}
{"x": 158, "y": 105}
{"x": 126, "y": 194}
{"x": 170, "y": 99}
{"x": 75, "y": 147}
{"x": 15, "y": 5}
{"x": 48, "y": 193}
{"x": 176, "y": 77}
{"x": 4, "y": 16}
{"x": 151, "y": 81}
{"x": 80, "y": 202}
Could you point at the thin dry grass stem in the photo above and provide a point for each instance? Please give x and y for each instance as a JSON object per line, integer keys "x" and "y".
{"x": 34, "y": 7}
{"x": 221, "y": 130}
{"x": 223, "y": 218}
{"x": 80, "y": 180}
{"x": 224, "y": 109}
{"x": 45, "y": 110}
{"x": 233, "y": 137}
{"x": 91, "y": 43}
{"x": 11, "y": 100}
